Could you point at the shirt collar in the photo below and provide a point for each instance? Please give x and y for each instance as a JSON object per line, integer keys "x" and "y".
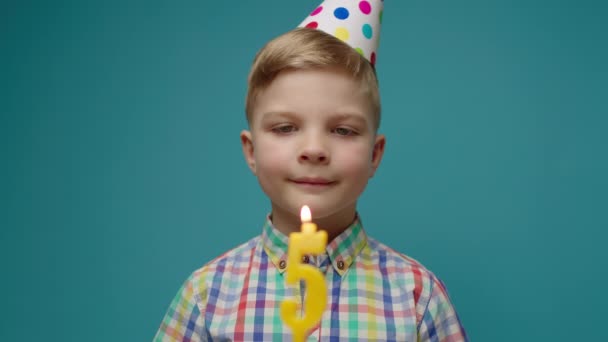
{"x": 275, "y": 245}
{"x": 345, "y": 247}
{"x": 342, "y": 251}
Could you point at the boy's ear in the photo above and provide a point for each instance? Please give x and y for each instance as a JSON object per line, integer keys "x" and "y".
{"x": 377, "y": 153}
{"x": 247, "y": 144}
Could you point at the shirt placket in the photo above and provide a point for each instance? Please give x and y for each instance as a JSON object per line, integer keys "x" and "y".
{"x": 323, "y": 264}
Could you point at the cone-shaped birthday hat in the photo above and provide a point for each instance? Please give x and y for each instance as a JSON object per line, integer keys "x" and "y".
{"x": 355, "y": 22}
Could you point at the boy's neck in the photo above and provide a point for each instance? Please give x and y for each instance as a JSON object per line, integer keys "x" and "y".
{"x": 334, "y": 225}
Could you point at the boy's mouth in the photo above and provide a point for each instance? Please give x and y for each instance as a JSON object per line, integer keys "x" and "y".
{"x": 313, "y": 181}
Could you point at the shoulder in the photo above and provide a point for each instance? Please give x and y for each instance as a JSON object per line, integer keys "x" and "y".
{"x": 397, "y": 261}
{"x": 405, "y": 271}
{"x": 233, "y": 261}
{"x": 429, "y": 293}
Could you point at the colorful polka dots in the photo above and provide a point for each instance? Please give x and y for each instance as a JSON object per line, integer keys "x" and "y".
{"x": 316, "y": 11}
{"x": 342, "y": 33}
{"x": 341, "y": 13}
{"x": 355, "y": 22}
{"x": 365, "y": 7}
{"x": 367, "y": 31}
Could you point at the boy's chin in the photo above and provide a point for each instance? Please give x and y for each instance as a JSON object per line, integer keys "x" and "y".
{"x": 320, "y": 211}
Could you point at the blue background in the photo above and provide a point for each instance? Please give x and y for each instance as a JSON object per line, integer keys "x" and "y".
{"x": 122, "y": 171}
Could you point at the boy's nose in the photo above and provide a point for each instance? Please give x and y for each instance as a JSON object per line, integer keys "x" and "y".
{"x": 314, "y": 152}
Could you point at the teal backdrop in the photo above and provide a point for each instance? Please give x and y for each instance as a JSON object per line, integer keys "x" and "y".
{"x": 121, "y": 169}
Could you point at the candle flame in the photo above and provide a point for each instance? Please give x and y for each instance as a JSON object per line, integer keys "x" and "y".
{"x": 305, "y": 215}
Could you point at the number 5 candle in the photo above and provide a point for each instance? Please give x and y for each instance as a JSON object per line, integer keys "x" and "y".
{"x": 308, "y": 241}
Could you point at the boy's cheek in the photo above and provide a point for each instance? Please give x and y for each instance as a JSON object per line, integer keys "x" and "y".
{"x": 269, "y": 161}
{"x": 270, "y": 148}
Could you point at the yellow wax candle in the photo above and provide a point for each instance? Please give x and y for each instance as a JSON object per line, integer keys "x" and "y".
{"x": 309, "y": 241}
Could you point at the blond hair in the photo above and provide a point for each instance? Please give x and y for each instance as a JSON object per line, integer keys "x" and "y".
{"x": 305, "y": 48}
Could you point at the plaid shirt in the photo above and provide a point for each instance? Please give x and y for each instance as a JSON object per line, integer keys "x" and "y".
{"x": 374, "y": 294}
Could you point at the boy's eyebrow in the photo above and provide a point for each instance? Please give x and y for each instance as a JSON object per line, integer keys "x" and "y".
{"x": 338, "y": 116}
{"x": 273, "y": 114}
{"x": 359, "y": 117}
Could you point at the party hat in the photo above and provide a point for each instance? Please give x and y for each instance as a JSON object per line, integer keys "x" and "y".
{"x": 355, "y": 22}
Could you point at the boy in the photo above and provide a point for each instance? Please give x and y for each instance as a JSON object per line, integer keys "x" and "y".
{"x": 313, "y": 109}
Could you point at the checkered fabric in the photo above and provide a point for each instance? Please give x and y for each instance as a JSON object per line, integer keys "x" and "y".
{"x": 374, "y": 293}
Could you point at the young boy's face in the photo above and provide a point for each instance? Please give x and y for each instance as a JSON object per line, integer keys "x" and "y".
{"x": 313, "y": 141}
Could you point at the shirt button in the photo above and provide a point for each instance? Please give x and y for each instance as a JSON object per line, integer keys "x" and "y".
{"x": 306, "y": 259}
{"x": 282, "y": 264}
{"x": 341, "y": 264}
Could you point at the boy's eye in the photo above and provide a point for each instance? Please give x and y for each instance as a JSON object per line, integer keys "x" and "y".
{"x": 344, "y": 131}
{"x": 283, "y": 129}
